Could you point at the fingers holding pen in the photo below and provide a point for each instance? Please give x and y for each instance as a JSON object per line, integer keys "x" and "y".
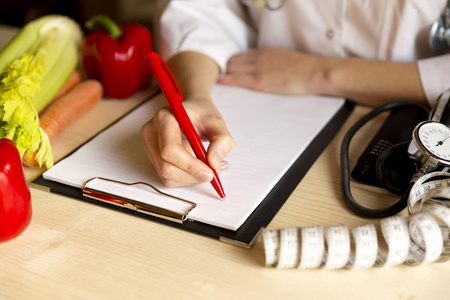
{"x": 164, "y": 146}
{"x": 211, "y": 127}
{"x": 221, "y": 143}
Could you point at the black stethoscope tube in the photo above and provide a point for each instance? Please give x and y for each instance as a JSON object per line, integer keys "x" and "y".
{"x": 345, "y": 170}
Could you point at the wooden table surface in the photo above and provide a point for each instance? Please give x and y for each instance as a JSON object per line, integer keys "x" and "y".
{"x": 75, "y": 250}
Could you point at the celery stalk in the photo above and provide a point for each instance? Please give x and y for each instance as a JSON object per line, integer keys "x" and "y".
{"x": 34, "y": 65}
{"x": 57, "y": 76}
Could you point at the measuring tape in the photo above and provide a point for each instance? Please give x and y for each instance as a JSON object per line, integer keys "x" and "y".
{"x": 421, "y": 238}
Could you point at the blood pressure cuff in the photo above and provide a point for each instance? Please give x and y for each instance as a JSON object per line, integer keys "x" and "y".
{"x": 391, "y": 144}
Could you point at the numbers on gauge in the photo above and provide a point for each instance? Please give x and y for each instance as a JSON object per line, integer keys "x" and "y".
{"x": 435, "y": 138}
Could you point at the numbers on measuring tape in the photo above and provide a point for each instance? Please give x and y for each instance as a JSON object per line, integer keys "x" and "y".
{"x": 337, "y": 239}
{"x": 421, "y": 238}
{"x": 312, "y": 249}
{"x": 416, "y": 240}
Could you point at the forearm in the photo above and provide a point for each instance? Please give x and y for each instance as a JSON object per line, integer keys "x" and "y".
{"x": 194, "y": 72}
{"x": 371, "y": 82}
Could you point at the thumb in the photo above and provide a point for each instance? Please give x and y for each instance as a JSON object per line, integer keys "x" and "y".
{"x": 219, "y": 147}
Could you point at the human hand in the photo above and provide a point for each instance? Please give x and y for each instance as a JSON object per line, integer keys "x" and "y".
{"x": 166, "y": 150}
{"x": 365, "y": 81}
{"x": 274, "y": 70}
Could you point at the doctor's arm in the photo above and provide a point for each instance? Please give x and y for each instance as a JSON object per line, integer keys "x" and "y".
{"x": 195, "y": 74}
{"x": 371, "y": 82}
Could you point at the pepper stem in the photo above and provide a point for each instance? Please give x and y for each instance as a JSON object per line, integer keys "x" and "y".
{"x": 112, "y": 28}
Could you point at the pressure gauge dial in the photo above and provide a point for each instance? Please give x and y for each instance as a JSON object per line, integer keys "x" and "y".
{"x": 431, "y": 141}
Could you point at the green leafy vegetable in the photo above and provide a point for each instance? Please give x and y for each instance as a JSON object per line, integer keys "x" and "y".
{"x": 34, "y": 65}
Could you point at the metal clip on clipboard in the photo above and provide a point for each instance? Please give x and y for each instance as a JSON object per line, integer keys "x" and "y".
{"x": 136, "y": 205}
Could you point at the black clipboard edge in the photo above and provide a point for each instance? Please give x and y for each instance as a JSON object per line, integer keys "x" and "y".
{"x": 248, "y": 233}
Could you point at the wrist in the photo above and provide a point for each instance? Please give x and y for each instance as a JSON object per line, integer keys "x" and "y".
{"x": 326, "y": 80}
{"x": 198, "y": 99}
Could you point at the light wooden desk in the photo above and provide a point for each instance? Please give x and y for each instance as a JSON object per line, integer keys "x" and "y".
{"x": 76, "y": 250}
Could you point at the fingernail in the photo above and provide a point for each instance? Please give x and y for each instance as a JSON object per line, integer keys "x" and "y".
{"x": 217, "y": 159}
{"x": 223, "y": 165}
{"x": 205, "y": 176}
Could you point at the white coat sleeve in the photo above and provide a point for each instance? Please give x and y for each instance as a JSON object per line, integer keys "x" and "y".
{"x": 217, "y": 28}
{"x": 434, "y": 76}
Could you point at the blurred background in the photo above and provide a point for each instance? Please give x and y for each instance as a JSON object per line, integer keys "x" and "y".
{"x": 20, "y": 12}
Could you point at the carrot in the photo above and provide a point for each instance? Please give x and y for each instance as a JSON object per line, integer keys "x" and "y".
{"x": 73, "y": 80}
{"x": 68, "y": 108}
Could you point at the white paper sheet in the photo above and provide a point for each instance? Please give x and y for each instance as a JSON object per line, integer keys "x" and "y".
{"x": 270, "y": 132}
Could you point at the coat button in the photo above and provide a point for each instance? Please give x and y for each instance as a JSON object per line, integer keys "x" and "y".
{"x": 330, "y": 33}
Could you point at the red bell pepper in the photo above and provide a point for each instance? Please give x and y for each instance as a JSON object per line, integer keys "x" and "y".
{"x": 15, "y": 197}
{"x": 115, "y": 56}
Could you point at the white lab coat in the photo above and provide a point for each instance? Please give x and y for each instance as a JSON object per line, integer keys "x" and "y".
{"x": 396, "y": 30}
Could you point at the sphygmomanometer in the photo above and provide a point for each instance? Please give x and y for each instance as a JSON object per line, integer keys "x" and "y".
{"x": 410, "y": 144}
{"x": 400, "y": 152}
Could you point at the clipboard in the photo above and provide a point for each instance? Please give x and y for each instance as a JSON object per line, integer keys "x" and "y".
{"x": 257, "y": 221}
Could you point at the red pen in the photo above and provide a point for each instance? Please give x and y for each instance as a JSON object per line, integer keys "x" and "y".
{"x": 173, "y": 95}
